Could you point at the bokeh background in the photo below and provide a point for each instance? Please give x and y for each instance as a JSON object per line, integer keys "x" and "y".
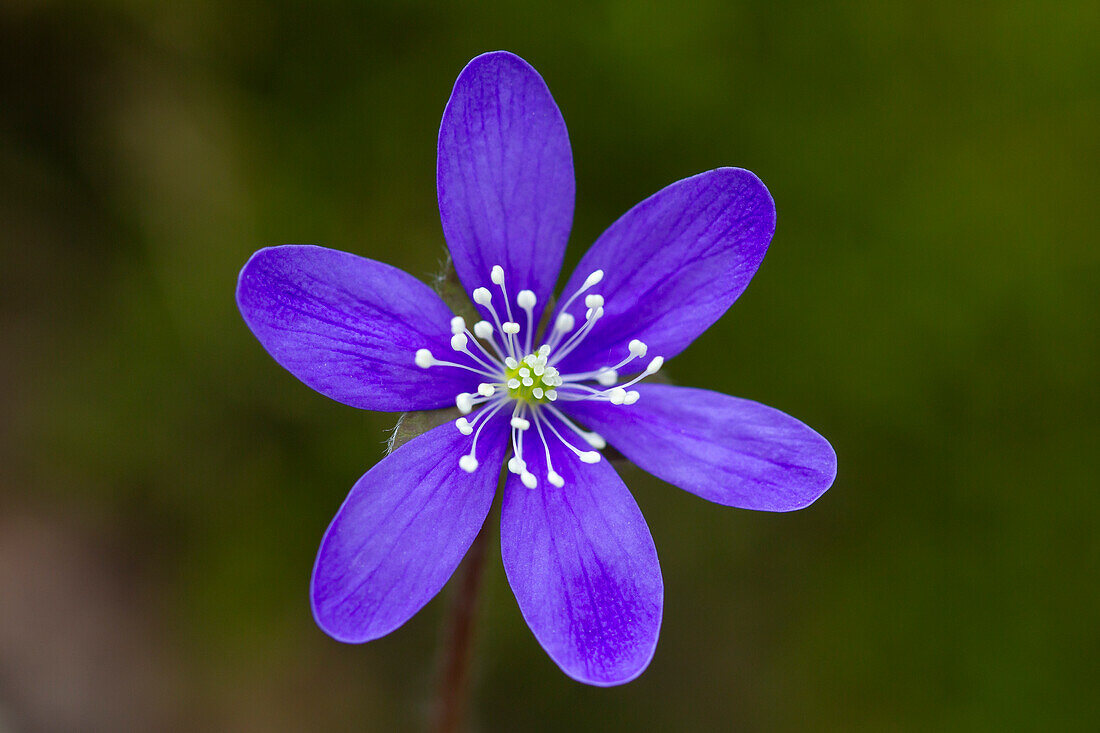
{"x": 929, "y": 304}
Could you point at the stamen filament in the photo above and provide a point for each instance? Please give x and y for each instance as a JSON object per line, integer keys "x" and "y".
{"x": 593, "y": 438}
{"x": 551, "y": 475}
{"x": 468, "y": 463}
{"x": 588, "y": 456}
{"x": 425, "y": 360}
{"x": 575, "y": 340}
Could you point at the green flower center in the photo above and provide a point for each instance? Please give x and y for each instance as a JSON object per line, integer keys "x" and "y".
{"x": 532, "y": 380}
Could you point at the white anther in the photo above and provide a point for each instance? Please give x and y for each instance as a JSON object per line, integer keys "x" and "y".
{"x": 551, "y": 394}
{"x": 655, "y": 365}
{"x": 593, "y": 301}
{"x": 617, "y": 396}
{"x": 464, "y": 426}
{"x": 468, "y": 464}
{"x": 528, "y": 381}
{"x": 510, "y": 362}
{"x": 589, "y": 456}
{"x": 483, "y": 330}
{"x": 459, "y": 342}
{"x": 555, "y": 478}
{"x": 424, "y": 358}
{"x": 464, "y": 402}
{"x": 497, "y": 275}
{"x": 631, "y": 397}
{"x": 592, "y": 279}
{"x": 529, "y": 479}
{"x": 538, "y": 392}
{"x": 486, "y": 390}
{"x": 520, "y": 424}
{"x": 544, "y": 350}
{"x": 637, "y": 348}
{"x": 565, "y": 323}
{"x": 524, "y": 372}
{"x": 482, "y": 296}
{"x": 526, "y": 300}
{"x": 458, "y": 324}
{"x": 607, "y": 377}
{"x": 539, "y": 369}
{"x": 513, "y": 383}
{"x": 510, "y": 327}
{"x": 517, "y": 465}
{"x": 595, "y": 440}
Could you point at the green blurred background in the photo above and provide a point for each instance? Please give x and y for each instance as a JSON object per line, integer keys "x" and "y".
{"x": 929, "y": 304}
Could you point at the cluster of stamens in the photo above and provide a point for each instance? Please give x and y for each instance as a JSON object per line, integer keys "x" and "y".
{"x": 528, "y": 380}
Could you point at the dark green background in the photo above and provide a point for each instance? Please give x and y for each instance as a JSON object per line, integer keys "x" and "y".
{"x": 929, "y": 304}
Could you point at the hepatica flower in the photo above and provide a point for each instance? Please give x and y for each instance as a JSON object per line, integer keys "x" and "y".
{"x": 541, "y": 401}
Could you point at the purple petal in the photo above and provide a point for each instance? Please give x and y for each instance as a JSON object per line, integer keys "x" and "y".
{"x": 402, "y": 531}
{"x": 350, "y": 327}
{"x": 505, "y": 176}
{"x": 728, "y": 450}
{"x": 584, "y": 570}
{"x": 673, "y": 264}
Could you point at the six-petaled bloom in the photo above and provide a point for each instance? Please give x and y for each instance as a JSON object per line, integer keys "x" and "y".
{"x": 576, "y": 550}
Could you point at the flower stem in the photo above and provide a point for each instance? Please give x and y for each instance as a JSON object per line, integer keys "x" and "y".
{"x": 454, "y": 676}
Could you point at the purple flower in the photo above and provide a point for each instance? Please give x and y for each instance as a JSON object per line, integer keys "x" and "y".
{"x": 576, "y": 550}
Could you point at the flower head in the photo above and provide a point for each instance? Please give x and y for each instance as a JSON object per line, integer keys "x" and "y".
{"x": 543, "y": 402}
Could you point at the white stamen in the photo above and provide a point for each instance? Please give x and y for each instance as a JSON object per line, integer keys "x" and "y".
{"x": 592, "y": 279}
{"x": 593, "y": 315}
{"x": 526, "y": 299}
{"x": 593, "y": 438}
{"x": 590, "y": 456}
{"x": 484, "y": 417}
{"x": 563, "y": 326}
{"x": 483, "y": 330}
{"x": 536, "y": 371}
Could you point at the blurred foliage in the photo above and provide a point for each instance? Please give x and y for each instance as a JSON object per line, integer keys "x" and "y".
{"x": 929, "y": 304}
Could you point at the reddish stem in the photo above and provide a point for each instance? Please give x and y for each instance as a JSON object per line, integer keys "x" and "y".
{"x": 454, "y": 676}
